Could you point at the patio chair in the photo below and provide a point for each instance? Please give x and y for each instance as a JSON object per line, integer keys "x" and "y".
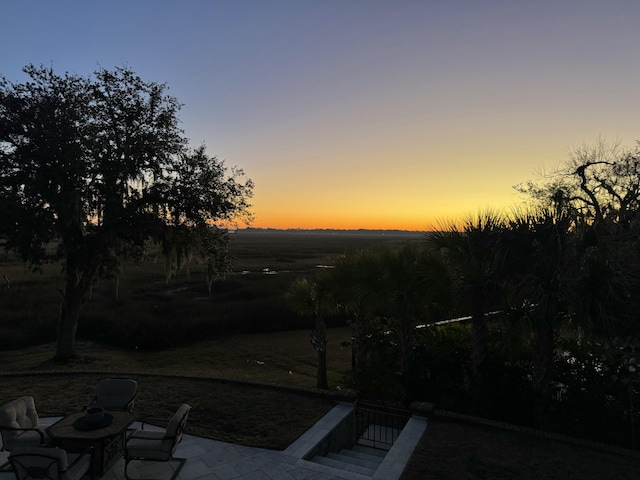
{"x": 48, "y": 463}
{"x": 20, "y": 426}
{"x": 157, "y": 445}
{"x": 116, "y": 394}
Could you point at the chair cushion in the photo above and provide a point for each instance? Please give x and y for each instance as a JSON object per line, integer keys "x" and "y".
{"x": 149, "y": 444}
{"x": 175, "y": 429}
{"x": 178, "y": 420}
{"x": 158, "y": 444}
{"x": 24, "y": 438}
{"x": 116, "y": 393}
{"x": 57, "y": 454}
{"x": 19, "y": 413}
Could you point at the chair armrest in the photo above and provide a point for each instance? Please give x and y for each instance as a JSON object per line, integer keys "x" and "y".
{"x": 131, "y": 400}
{"x": 19, "y": 429}
{"x": 146, "y": 434}
{"x": 153, "y": 421}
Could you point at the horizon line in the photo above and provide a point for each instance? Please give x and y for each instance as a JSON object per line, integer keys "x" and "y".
{"x": 326, "y": 229}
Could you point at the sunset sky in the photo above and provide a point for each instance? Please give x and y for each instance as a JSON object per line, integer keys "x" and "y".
{"x": 363, "y": 113}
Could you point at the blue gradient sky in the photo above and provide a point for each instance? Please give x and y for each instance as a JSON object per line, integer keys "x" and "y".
{"x": 363, "y": 113}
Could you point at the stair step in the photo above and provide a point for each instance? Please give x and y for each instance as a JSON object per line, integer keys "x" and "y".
{"x": 330, "y": 462}
{"x": 372, "y": 444}
{"x": 380, "y": 433}
{"x": 373, "y": 460}
{"x": 379, "y": 436}
{"x": 374, "y": 452}
{"x": 361, "y": 462}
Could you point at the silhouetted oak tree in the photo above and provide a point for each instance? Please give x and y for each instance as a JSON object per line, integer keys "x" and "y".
{"x": 599, "y": 185}
{"x": 99, "y": 165}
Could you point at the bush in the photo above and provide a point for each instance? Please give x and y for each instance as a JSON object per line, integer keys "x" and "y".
{"x": 438, "y": 372}
{"x": 599, "y": 392}
{"x": 376, "y": 376}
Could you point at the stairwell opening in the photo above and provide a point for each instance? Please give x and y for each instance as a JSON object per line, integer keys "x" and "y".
{"x": 360, "y": 442}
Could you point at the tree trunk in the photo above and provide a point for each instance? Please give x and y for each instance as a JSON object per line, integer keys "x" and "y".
{"x": 358, "y": 342}
{"x": 319, "y": 342}
{"x": 322, "y": 370}
{"x": 68, "y": 321}
{"x": 544, "y": 354}
{"x": 478, "y": 346}
{"x": 405, "y": 347}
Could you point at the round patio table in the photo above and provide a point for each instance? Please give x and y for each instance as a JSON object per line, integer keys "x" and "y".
{"x": 106, "y": 442}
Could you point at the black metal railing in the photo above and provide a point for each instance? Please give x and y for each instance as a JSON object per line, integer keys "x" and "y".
{"x": 378, "y": 425}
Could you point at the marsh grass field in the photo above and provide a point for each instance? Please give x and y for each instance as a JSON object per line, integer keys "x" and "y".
{"x": 156, "y": 332}
{"x": 139, "y": 309}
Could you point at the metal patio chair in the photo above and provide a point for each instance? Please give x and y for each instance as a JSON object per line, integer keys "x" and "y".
{"x": 157, "y": 445}
{"x": 47, "y": 463}
{"x": 116, "y": 394}
{"x": 20, "y": 426}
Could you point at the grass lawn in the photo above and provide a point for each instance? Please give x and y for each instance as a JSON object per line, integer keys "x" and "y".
{"x": 283, "y": 357}
{"x": 246, "y": 415}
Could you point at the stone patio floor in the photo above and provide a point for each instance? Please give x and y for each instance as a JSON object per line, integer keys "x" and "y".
{"x": 215, "y": 460}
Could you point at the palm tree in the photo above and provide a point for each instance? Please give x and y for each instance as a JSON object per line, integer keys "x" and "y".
{"x": 404, "y": 285}
{"x": 475, "y": 268}
{"x": 541, "y": 250}
{"x": 313, "y": 299}
{"x": 357, "y": 282}
{"x": 413, "y": 295}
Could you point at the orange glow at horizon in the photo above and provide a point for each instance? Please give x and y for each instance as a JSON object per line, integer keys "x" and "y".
{"x": 344, "y": 194}
{"x": 353, "y": 223}
{"x": 417, "y": 219}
